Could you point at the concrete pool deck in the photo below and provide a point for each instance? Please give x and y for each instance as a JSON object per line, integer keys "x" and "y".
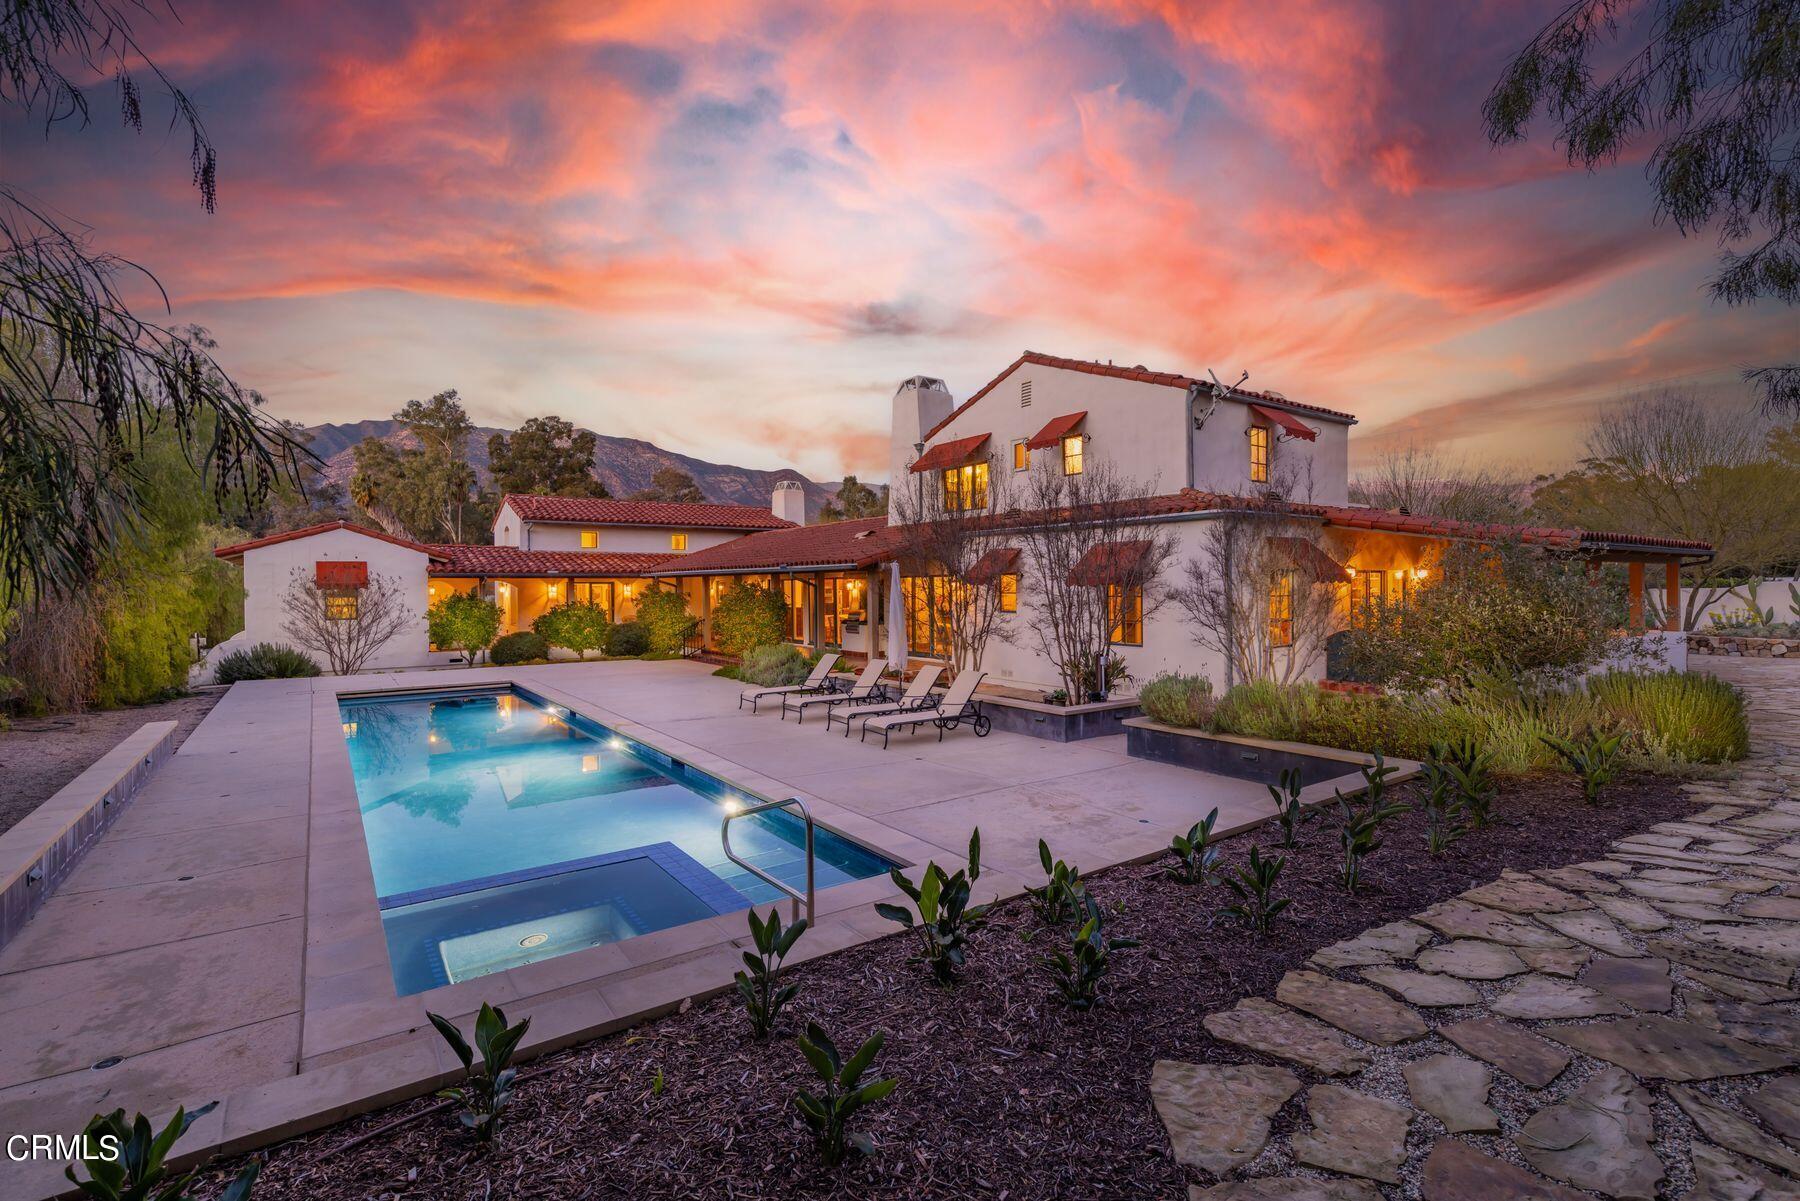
{"x": 222, "y": 941}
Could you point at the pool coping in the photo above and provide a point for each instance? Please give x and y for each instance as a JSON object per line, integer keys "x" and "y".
{"x": 362, "y": 1048}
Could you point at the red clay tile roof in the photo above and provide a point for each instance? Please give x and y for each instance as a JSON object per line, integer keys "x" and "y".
{"x": 953, "y": 453}
{"x": 1140, "y": 374}
{"x": 461, "y": 560}
{"x": 237, "y": 549}
{"x": 590, "y": 511}
{"x": 1290, "y": 424}
{"x": 1055, "y": 430}
{"x": 1002, "y": 560}
{"x": 858, "y": 543}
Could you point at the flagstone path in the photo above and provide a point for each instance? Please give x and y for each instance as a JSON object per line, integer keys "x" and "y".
{"x": 1626, "y": 1027}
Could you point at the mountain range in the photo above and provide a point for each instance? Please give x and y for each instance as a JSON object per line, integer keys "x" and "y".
{"x": 624, "y": 465}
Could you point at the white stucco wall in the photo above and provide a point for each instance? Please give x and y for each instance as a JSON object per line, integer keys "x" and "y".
{"x": 268, "y": 570}
{"x": 547, "y": 535}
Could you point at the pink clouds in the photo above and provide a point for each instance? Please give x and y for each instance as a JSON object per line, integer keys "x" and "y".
{"x": 744, "y": 209}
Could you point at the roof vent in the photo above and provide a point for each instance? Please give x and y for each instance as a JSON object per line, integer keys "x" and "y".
{"x": 1024, "y": 394}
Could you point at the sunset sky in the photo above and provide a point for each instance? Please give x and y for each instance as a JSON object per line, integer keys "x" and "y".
{"x": 732, "y": 228}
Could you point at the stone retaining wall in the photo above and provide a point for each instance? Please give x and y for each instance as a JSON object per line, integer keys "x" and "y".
{"x": 1734, "y": 644}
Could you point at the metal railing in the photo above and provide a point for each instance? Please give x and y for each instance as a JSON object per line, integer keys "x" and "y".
{"x": 793, "y": 893}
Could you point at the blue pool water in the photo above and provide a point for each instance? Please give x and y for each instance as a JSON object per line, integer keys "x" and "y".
{"x": 504, "y": 830}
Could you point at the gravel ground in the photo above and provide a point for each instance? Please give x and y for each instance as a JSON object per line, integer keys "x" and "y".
{"x": 38, "y": 755}
{"x": 1004, "y": 1093}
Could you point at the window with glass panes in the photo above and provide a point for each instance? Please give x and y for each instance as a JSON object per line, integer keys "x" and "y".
{"x": 1281, "y": 610}
{"x": 1259, "y": 453}
{"x": 1125, "y": 610}
{"x": 594, "y": 592}
{"x": 966, "y": 487}
{"x": 1368, "y": 592}
{"x": 1073, "y": 448}
{"x": 341, "y": 604}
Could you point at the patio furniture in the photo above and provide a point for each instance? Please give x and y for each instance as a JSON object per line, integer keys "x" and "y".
{"x": 956, "y": 706}
{"x": 818, "y": 680}
{"x": 867, "y": 688}
{"x": 917, "y": 695}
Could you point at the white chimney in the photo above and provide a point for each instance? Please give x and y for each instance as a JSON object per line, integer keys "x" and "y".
{"x": 789, "y": 502}
{"x": 919, "y": 404}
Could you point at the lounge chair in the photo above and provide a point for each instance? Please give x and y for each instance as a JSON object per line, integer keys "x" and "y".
{"x": 917, "y": 695}
{"x": 957, "y": 705}
{"x": 867, "y": 688}
{"x": 819, "y": 680}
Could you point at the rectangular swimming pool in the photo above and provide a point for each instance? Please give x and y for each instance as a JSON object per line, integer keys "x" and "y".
{"x": 503, "y": 829}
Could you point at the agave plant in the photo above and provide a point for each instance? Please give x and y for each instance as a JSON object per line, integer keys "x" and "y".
{"x": 828, "y": 1111}
{"x": 136, "y": 1170}
{"x": 1196, "y": 859}
{"x": 763, "y": 1001}
{"x": 486, "y": 1091}
{"x": 945, "y": 916}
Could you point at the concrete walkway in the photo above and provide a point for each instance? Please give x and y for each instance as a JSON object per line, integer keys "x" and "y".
{"x": 223, "y": 940}
{"x": 1626, "y": 1026}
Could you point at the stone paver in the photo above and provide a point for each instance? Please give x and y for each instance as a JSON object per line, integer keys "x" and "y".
{"x": 1353, "y": 1133}
{"x": 1454, "y": 1091}
{"x": 1599, "y": 1139}
{"x": 1218, "y": 1115}
{"x": 1355, "y": 1008}
{"x": 1637, "y": 991}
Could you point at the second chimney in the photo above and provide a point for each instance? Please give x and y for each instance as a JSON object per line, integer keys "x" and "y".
{"x": 789, "y": 502}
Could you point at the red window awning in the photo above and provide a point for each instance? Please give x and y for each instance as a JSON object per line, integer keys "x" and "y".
{"x": 328, "y": 574}
{"x": 1309, "y": 558}
{"x": 1002, "y": 560}
{"x": 1111, "y": 563}
{"x": 1290, "y": 425}
{"x": 1057, "y": 429}
{"x": 951, "y": 454}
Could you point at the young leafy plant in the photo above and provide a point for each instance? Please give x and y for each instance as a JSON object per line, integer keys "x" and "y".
{"x": 487, "y": 1090}
{"x": 1359, "y": 826}
{"x": 1289, "y": 812}
{"x": 1594, "y": 760}
{"x": 763, "y": 1000}
{"x": 1196, "y": 859}
{"x": 1254, "y": 886}
{"x": 1471, "y": 770}
{"x": 1059, "y": 900}
{"x": 1078, "y": 971}
{"x": 1443, "y": 814}
{"x": 828, "y": 1111}
{"x": 135, "y": 1170}
{"x": 945, "y": 917}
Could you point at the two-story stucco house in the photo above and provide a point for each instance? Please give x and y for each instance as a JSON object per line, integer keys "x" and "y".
{"x": 1198, "y": 450}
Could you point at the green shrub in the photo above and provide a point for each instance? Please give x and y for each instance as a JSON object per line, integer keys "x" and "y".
{"x": 1594, "y": 759}
{"x": 1683, "y": 716}
{"x": 1178, "y": 700}
{"x": 828, "y": 1112}
{"x": 137, "y": 1169}
{"x": 667, "y": 624}
{"x": 626, "y": 640}
{"x": 774, "y": 666}
{"x": 486, "y": 1090}
{"x": 1196, "y": 856}
{"x": 748, "y": 615}
{"x": 763, "y": 998}
{"x": 946, "y": 919}
{"x": 574, "y": 627}
{"x": 1078, "y": 971}
{"x": 265, "y": 661}
{"x": 463, "y": 621}
{"x": 519, "y": 647}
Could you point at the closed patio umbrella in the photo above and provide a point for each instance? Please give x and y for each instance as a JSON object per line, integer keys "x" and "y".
{"x": 896, "y": 621}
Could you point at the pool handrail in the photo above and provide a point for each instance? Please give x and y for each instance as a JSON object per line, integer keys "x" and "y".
{"x": 793, "y": 893}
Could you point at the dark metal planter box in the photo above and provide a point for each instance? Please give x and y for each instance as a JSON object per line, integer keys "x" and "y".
{"x": 1058, "y": 723}
{"x": 1258, "y": 759}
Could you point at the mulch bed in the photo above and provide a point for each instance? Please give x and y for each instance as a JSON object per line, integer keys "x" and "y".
{"x": 1004, "y": 1092}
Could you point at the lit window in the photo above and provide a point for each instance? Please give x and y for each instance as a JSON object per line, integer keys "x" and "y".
{"x": 1259, "y": 453}
{"x": 1125, "y": 610}
{"x": 590, "y": 539}
{"x": 1072, "y": 450}
{"x": 1368, "y": 593}
{"x": 1009, "y": 592}
{"x": 966, "y": 487}
{"x": 341, "y": 605}
{"x": 677, "y": 541}
{"x": 1021, "y": 455}
{"x": 1281, "y": 610}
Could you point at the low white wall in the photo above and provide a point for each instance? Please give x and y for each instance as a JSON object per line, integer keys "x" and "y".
{"x": 1770, "y": 594}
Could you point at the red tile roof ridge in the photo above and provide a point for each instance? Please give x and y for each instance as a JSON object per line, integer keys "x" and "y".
{"x": 598, "y": 510}
{"x": 324, "y": 527}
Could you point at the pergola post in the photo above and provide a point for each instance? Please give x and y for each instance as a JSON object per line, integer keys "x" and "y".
{"x": 1671, "y": 595}
{"x": 706, "y": 612}
{"x": 1634, "y": 586}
